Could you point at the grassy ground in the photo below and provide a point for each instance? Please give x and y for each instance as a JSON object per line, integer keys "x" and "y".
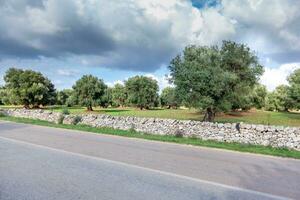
{"x": 283, "y": 152}
{"x": 252, "y": 117}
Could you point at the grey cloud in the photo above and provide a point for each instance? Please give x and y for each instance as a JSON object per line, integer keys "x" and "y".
{"x": 271, "y": 29}
{"x": 142, "y": 35}
{"x": 75, "y": 37}
{"x": 119, "y": 37}
{"x": 286, "y": 57}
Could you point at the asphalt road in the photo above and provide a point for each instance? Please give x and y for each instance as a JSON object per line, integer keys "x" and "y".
{"x": 47, "y": 163}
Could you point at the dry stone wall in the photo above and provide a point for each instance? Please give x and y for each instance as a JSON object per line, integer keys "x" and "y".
{"x": 276, "y": 136}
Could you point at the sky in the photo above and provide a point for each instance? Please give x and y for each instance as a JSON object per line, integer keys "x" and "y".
{"x": 117, "y": 39}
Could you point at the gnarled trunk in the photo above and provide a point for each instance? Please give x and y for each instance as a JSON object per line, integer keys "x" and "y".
{"x": 26, "y": 106}
{"x": 209, "y": 115}
{"x": 90, "y": 108}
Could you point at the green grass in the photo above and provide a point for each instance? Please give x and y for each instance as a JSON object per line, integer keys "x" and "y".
{"x": 283, "y": 152}
{"x": 252, "y": 117}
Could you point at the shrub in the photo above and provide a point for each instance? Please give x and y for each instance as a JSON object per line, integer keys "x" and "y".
{"x": 76, "y": 120}
{"x": 178, "y": 133}
{"x": 2, "y": 114}
{"x": 61, "y": 119}
{"x": 65, "y": 111}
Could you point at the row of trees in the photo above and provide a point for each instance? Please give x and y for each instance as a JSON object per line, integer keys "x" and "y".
{"x": 32, "y": 89}
{"x": 285, "y": 97}
{"x": 212, "y": 79}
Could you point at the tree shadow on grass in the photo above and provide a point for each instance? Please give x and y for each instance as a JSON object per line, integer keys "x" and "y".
{"x": 113, "y": 111}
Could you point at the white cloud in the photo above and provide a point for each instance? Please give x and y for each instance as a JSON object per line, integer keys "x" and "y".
{"x": 277, "y": 76}
{"x": 268, "y": 26}
{"x": 67, "y": 72}
{"x": 161, "y": 80}
{"x": 111, "y": 84}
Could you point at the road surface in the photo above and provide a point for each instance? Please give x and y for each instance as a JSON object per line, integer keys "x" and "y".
{"x": 48, "y": 163}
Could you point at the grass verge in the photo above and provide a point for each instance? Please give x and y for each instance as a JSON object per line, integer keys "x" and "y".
{"x": 267, "y": 150}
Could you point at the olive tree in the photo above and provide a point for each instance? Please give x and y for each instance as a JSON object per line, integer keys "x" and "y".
{"x": 168, "y": 98}
{"x": 278, "y": 100}
{"x": 89, "y": 91}
{"x": 294, "y": 89}
{"x": 119, "y": 95}
{"x": 142, "y": 91}
{"x": 214, "y": 78}
{"x": 28, "y": 88}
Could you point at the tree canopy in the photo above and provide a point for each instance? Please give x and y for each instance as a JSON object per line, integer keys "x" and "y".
{"x": 106, "y": 99}
{"x": 142, "y": 91}
{"x": 89, "y": 91}
{"x": 119, "y": 95}
{"x": 214, "y": 78}
{"x": 168, "y": 97}
{"x": 62, "y": 96}
{"x": 28, "y": 88}
{"x": 259, "y": 96}
{"x": 278, "y": 100}
{"x": 294, "y": 89}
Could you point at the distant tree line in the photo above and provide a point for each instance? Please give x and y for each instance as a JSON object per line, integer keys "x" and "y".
{"x": 212, "y": 79}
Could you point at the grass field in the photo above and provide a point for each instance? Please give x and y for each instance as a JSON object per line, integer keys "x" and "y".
{"x": 282, "y": 152}
{"x": 253, "y": 116}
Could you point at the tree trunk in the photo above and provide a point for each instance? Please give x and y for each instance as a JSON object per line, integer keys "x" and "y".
{"x": 209, "y": 115}
{"x": 90, "y": 108}
{"x": 26, "y": 106}
{"x": 36, "y": 106}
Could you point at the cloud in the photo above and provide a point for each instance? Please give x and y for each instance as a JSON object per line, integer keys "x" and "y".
{"x": 67, "y": 72}
{"x": 137, "y": 35}
{"x": 112, "y": 84}
{"x": 271, "y": 29}
{"x": 277, "y": 76}
{"x": 162, "y": 81}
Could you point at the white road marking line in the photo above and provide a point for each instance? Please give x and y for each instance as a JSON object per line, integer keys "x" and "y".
{"x": 148, "y": 169}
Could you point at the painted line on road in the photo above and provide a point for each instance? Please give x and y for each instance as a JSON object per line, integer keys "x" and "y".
{"x": 148, "y": 169}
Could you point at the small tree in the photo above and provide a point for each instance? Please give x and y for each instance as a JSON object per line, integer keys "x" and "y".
{"x": 294, "y": 90}
{"x": 119, "y": 95}
{"x": 271, "y": 102}
{"x": 142, "y": 91}
{"x": 259, "y": 96}
{"x": 278, "y": 100}
{"x": 62, "y": 96}
{"x": 89, "y": 91}
{"x": 72, "y": 100}
{"x": 106, "y": 99}
{"x": 168, "y": 97}
{"x": 28, "y": 88}
{"x": 214, "y": 78}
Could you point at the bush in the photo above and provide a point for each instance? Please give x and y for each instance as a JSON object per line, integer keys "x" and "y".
{"x": 132, "y": 129}
{"x": 61, "y": 119}
{"x": 178, "y": 133}
{"x": 65, "y": 111}
{"x": 76, "y": 120}
{"x": 2, "y": 114}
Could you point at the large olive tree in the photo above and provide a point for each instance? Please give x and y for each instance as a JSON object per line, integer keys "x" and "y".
{"x": 215, "y": 78}
{"x": 28, "y": 88}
